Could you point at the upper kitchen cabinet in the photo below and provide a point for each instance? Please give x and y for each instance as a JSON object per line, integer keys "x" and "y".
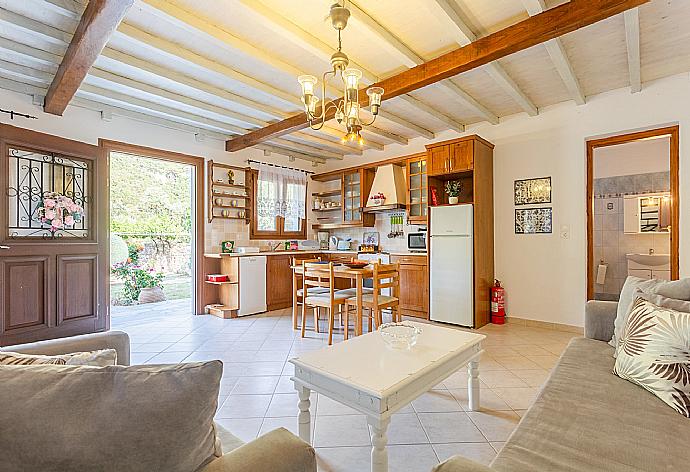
{"x": 355, "y": 186}
{"x": 417, "y": 188}
{"x": 456, "y": 156}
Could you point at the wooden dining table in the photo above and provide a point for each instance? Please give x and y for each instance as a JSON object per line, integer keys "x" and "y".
{"x": 339, "y": 272}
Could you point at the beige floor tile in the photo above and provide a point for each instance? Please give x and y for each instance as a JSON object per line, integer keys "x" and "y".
{"x": 497, "y": 446}
{"x": 450, "y": 427}
{"x": 531, "y": 350}
{"x": 406, "y": 429}
{"x": 255, "y": 385}
{"x": 532, "y": 377}
{"x": 340, "y": 431}
{"x": 495, "y": 425}
{"x": 488, "y": 400}
{"x": 436, "y": 401}
{"x": 545, "y": 362}
{"x": 247, "y": 429}
{"x": 517, "y": 362}
{"x": 343, "y": 459}
{"x": 328, "y": 406}
{"x": 411, "y": 458}
{"x": 478, "y": 452}
{"x": 517, "y": 398}
{"x": 244, "y": 406}
{"x": 495, "y": 379}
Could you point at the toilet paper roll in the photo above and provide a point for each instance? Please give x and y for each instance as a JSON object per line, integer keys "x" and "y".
{"x": 601, "y": 273}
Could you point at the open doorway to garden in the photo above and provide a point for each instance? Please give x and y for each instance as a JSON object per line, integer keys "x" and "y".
{"x": 156, "y": 229}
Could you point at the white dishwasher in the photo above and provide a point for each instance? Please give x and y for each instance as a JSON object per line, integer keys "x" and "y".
{"x": 252, "y": 285}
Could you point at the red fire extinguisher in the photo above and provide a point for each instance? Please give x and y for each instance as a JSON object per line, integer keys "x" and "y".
{"x": 498, "y": 307}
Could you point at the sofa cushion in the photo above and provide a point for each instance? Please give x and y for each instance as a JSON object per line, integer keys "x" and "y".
{"x": 677, "y": 289}
{"x": 100, "y": 358}
{"x": 653, "y": 353}
{"x": 587, "y": 419}
{"x": 77, "y": 418}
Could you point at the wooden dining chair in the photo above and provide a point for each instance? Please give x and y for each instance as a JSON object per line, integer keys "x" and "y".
{"x": 314, "y": 277}
{"x": 298, "y": 288}
{"x": 385, "y": 276}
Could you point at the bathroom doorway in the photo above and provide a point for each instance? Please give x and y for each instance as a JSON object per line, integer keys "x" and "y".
{"x": 632, "y": 209}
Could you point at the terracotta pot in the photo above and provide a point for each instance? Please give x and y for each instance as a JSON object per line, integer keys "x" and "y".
{"x": 151, "y": 295}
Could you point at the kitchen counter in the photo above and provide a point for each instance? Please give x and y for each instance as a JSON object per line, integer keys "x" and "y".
{"x": 277, "y": 253}
{"x": 315, "y": 251}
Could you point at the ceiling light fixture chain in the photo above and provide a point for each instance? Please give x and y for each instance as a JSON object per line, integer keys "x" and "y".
{"x": 347, "y": 109}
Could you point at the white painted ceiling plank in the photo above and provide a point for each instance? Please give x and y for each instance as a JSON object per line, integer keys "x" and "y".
{"x": 290, "y": 153}
{"x": 35, "y": 28}
{"x": 293, "y": 146}
{"x": 463, "y": 36}
{"x": 558, "y": 55}
{"x": 565, "y": 69}
{"x": 632, "y": 39}
{"x": 448, "y": 121}
{"x": 470, "y": 102}
{"x": 177, "y": 52}
{"x": 406, "y": 124}
{"x": 506, "y": 82}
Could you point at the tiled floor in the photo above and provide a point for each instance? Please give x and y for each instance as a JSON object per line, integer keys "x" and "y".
{"x": 257, "y": 395}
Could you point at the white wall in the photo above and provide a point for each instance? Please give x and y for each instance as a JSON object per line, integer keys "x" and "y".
{"x": 87, "y": 126}
{"x": 545, "y": 274}
{"x": 638, "y": 157}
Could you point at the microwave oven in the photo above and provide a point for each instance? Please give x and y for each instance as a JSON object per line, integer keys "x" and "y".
{"x": 416, "y": 242}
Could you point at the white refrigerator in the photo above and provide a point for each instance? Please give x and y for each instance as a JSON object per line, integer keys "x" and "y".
{"x": 451, "y": 266}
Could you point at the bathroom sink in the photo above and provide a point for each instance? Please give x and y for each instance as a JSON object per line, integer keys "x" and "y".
{"x": 650, "y": 259}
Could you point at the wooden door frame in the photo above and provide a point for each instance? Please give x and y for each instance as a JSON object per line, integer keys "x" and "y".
{"x": 199, "y": 165}
{"x": 674, "y": 133}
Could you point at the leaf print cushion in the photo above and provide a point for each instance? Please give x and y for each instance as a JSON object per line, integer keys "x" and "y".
{"x": 654, "y": 353}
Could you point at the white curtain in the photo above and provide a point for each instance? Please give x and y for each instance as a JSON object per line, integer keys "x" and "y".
{"x": 281, "y": 192}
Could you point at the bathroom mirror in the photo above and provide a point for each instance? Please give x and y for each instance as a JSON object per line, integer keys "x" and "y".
{"x": 647, "y": 213}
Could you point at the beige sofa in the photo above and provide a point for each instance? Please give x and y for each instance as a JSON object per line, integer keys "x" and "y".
{"x": 587, "y": 419}
{"x": 277, "y": 451}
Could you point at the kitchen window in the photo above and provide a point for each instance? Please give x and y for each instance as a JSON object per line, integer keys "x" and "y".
{"x": 279, "y": 203}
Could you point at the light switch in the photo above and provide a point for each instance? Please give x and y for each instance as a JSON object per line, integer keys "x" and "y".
{"x": 565, "y": 232}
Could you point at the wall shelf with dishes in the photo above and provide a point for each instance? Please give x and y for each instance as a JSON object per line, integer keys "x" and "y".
{"x": 229, "y": 192}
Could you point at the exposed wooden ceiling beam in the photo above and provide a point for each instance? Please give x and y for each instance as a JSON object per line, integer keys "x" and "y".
{"x": 632, "y": 39}
{"x": 411, "y": 59}
{"x": 463, "y": 36}
{"x": 556, "y": 51}
{"x": 97, "y": 24}
{"x": 535, "y": 30}
{"x": 429, "y": 110}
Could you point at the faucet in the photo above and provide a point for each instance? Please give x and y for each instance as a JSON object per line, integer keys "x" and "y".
{"x": 651, "y": 252}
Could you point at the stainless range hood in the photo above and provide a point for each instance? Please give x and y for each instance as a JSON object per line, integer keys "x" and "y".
{"x": 390, "y": 181}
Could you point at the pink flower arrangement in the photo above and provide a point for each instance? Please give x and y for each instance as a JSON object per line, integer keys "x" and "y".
{"x": 59, "y": 211}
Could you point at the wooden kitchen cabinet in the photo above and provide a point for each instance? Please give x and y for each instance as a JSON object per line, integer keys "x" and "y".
{"x": 461, "y": 156}
{"x": 438, "y": 157}
{"x": 417, "y": 189}
{"x": 451, "y": 157}
{"x": 278, "y": 282}
{"x": 414, "y": 285}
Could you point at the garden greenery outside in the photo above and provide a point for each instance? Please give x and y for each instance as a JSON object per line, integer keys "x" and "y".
{"x": 150, "y": 226}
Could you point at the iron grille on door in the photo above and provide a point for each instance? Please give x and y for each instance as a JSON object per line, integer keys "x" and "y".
{"x": 34, "y": 174}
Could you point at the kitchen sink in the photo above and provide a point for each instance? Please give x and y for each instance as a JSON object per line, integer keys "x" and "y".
{"x": 651, "y": 260}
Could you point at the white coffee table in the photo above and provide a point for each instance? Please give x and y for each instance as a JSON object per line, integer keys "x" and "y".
{"x": 364, "y": 374}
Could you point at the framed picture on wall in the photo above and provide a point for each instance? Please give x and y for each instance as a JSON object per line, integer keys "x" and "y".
{"x": 533, "y": 191}
{"x": 534, "y": 220}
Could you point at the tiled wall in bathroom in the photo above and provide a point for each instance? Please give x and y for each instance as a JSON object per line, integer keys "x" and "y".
{"x": 611, "y": 244}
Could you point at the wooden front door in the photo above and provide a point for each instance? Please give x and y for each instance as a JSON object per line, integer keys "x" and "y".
{"x": 53, "y": 281}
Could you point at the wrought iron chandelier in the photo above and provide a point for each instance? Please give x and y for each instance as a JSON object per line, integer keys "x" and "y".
{"x": 347, "y": 108}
